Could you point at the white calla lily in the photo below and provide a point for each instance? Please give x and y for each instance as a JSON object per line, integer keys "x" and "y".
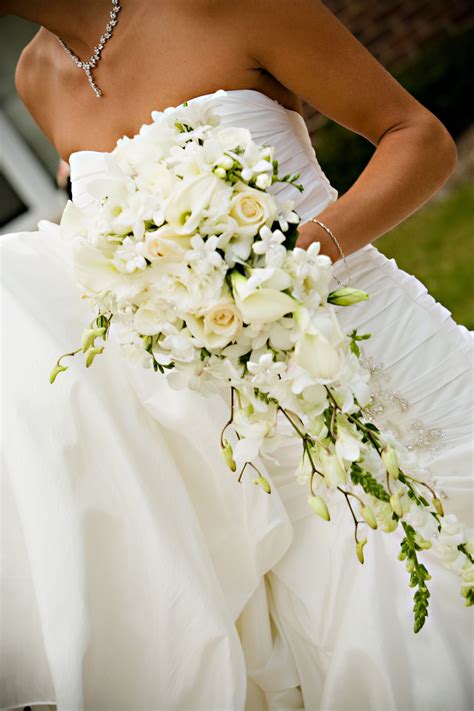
{"x": 186, "y": 207}
{"x": 261, "y": 305}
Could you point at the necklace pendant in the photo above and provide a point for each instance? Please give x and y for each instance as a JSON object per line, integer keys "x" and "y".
{"x": 96, "y": 54}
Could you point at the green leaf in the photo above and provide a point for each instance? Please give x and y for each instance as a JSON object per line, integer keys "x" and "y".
{"x": 291, "y": 236}
{"x": 355, "y": 348}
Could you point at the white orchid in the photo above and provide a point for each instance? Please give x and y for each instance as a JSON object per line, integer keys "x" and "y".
{"x": 348, "y": 443}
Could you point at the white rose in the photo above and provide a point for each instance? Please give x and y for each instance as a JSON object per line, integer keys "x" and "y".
{"x": 216, "y": 326}
{"x": 252, "y": 209}
{"x": 157, "y": 179}
{"x": 148, "y": 319}
{"x": 231, "y": 137}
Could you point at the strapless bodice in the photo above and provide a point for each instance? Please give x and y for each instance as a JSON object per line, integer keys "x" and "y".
{"x": 269, "y": 122}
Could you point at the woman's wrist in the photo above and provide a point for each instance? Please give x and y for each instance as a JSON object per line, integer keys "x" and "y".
{"x": 311, "y": 232}
{"x": 329, "y": 246}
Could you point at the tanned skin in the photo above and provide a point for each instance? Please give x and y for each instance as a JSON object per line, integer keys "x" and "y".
{"x": 166, "y": 51}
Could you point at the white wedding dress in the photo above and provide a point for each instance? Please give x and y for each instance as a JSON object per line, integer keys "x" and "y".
{"x": 139, "y": 575}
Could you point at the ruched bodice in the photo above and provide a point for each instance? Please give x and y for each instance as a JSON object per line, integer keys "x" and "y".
{"x": 270, "y": 123}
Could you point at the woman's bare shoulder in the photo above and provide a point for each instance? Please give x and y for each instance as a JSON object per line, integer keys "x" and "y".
{"x": 33, "y": 75}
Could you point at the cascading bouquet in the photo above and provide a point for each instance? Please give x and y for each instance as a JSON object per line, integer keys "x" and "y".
{"x": 185, "y": 248}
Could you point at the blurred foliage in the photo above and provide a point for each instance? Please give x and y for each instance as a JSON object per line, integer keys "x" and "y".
{"x": 439, "y": 76}
{"x": 435, "y": 244}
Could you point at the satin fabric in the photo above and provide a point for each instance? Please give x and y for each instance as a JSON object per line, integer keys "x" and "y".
{"x": 139, "y": 575}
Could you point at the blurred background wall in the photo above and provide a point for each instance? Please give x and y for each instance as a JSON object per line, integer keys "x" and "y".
{"x": 28, "y": 162}
{"x": 428, "y": 46}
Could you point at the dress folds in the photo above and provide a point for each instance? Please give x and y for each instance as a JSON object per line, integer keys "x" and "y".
{"x": 139, "y": 575}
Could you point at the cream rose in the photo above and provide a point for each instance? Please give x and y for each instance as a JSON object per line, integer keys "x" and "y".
{"x": 148, "y": 319}
{"x": 216, "y": 326}
{"x": 251, "y": 209}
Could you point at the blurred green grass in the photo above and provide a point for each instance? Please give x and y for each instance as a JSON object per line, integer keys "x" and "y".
{"x": 436, "y": 245}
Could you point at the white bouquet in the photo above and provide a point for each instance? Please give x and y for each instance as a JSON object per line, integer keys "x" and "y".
{"x": 192, "y": 257}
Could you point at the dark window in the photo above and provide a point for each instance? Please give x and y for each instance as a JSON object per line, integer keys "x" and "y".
{"x": 11, "y": 205}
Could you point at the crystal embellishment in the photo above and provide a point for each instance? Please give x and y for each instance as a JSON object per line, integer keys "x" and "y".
{"x": 388, "y": 408}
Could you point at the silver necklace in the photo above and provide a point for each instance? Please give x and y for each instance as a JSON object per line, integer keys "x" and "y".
{"x": 96, "y": 54}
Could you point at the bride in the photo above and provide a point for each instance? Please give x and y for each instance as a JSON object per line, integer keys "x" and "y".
{"x": 137, "y": 575}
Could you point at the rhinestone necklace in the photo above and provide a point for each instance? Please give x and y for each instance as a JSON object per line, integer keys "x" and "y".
{"x": 96, "y": 54}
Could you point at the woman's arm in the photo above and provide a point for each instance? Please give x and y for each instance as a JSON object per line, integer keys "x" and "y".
{"x": 306, "y": 48}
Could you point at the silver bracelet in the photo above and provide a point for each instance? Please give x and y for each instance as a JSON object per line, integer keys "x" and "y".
{"x": 334, "y": 239}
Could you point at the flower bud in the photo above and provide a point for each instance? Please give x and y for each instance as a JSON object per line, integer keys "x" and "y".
{"x": 369, "y": 516}
{"x": 261, "y": 481}
{"x": 390, "y": 460}
{"x": 227, "y": 162}
{"x": 229, "y": 456}
{"x": 359, "y": 549}
{"x": 318, "y": 505}
{"x": 88, "y": 336}
{"x": 220, "y": 172}
{"x": 410, "y": 565}
{"x": 470, "y": 546}
{"x": 422, "y": 542}
{"x": 390, "y": 525}
{"x": 438, "y": 505}
{"x": 91, "y": 354}
{"x": 396, "y": 504}
{"x": 347, "y": 296}
{"x": 263, "y": 181}
{"x": 55, "y": 372}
